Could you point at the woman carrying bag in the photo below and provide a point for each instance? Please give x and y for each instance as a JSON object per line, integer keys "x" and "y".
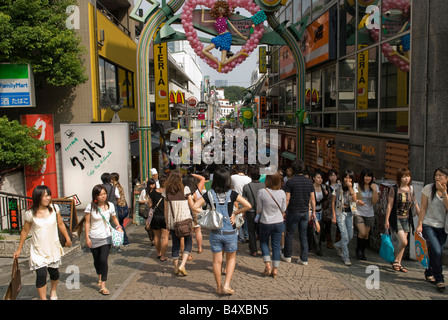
{"x": 271, "y": 204}
{"x": 224, "y": 239}
{"x": 43, "y": 221}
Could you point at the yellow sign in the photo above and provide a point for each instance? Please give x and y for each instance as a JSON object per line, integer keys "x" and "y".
{"x": 262, "y": 59}
{"x": 161, "y": 82}
{"x": 363, "y": 82}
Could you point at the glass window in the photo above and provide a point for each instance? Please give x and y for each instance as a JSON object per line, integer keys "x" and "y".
{"x": 395, "y": 18}
{"x": 125, "y": 80}
{"x": 307, "y": 89}
{"x": 282, "y": 98}
{"x": 347, "y": 26}
{"x": 316, "y": 120}
{"x": 330, "y": 92}
{"x": 314, "y": 95}
{"x": 368, "y": 28}
{"x": 367, "y": 79}
{"x": 347, "y": 84}
{"x": 330, "y": 120}
{"x": 297, "y": 10}
{"x": 394, "y": 122}
{"x": 288, "y": 12}
{"x": 306, "y": 7}
{"x": 367, "y": 121}
{"x": 290, "y": 120}
{"x": 289, "y": 98}
{"x": 394, "y": 79}
{"x": 346, "y": 121}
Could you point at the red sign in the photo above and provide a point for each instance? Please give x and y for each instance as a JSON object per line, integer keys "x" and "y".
{"x": 263, "y": 107}
{"x": 192, "y": 101}
{"x": 46, "y": 175}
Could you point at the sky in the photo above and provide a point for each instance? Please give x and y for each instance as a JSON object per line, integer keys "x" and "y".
{"x": 240, "y": 75}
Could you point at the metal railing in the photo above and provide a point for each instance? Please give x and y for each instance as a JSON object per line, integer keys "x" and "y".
{"x": 12, "y": 210}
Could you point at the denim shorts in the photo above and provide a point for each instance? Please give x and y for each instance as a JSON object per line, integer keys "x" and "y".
{"x": 226, "y": 242}
{"x": 403, "y": 224}
{"x": 367, "y": 221}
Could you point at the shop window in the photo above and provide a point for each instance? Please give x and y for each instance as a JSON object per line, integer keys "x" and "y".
{"x": 289, "y": 98}
{"x": 367, "y": 121}
{"x": 116, "y": 85}
{"x": 394, "y": 79}
{"x": 307, "y": 89}
{"x": 367, "y": 80}
{"x": 347, "y": 26}
{"x": 395, "y": 18}
{"x": 315, "y": 94}
{"x": 330, "y": 120}
{"x": 316, "y": 120}
{"x": 330, "y": 90}
{"x": 347, "y": 69}
{"x": 346, "y": 121}
{"x": 290, "y": 120}
{"x": 394, "y": 122}
{"x": 368, "y": 24}
{"x": 288, "y": 13}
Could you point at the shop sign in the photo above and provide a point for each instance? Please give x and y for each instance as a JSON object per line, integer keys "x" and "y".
{"x": 363, "y": 81}
{"x": 263, "y": 106}
{"x": 262, "y": 59}
{"x": 161, "y": 81}
{"x": 363, "y": 150}
{"x": 16, "y": 85}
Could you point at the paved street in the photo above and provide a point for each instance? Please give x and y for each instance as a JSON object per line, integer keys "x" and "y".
{"x": 136, "y": 274}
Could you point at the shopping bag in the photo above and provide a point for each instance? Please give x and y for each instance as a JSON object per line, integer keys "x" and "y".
{"x": 16, "y": 282}
{"x": 421, "y": 250}
{"x": 387, "y": 248}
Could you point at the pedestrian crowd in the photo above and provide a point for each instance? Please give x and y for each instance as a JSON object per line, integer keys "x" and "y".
{"x": 262, "y": 210}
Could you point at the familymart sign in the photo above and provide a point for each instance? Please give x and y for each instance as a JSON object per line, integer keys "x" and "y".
{"x": 16, "y": 85}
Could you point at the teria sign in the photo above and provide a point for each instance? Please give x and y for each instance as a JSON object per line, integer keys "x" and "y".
{"x": 16, "y": 85}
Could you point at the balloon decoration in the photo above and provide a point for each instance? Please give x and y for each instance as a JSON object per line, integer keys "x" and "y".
{"x": 223, "y": 41}
{"x": 398, "y": 56}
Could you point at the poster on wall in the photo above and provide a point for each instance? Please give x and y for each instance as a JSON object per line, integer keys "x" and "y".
{"x": 88, "y": 151}
{"x": 46, "y": 174}
{"x": 323, "y": 153}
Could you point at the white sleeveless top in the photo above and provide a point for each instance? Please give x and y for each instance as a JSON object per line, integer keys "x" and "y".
{"x": 46, "y": 249}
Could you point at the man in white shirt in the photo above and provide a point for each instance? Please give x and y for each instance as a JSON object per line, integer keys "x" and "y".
{"x": 239, "y": 180}
{"x": 155, "y": 176}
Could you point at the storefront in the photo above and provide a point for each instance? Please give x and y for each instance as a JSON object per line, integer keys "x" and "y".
{"x": 357, "y": 84}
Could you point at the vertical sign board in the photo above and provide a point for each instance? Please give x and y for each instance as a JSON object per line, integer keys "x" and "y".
{"x": 161, "y": 81}
{"x": 363, "y": 78}
{"x": 13, "y": 209}
{"x": 45, "y": 175}
{"x": 262, "y": 59}
{"x": 16, "y": 86}
{"x": 68, "y": 212}
{"x": 88, "y": 151}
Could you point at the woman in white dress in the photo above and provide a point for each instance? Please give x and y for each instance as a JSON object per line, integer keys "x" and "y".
{"x": 43, "y": 220}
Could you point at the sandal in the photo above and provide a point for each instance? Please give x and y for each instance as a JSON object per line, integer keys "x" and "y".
{"x": 104, "y": 292}
{"x": 440, "y": 286}
{"x": 267, "y": 272}
{"x": 402, "y": 269}
{"x": 396, "y": 266}
{"x": 430, "y": 279}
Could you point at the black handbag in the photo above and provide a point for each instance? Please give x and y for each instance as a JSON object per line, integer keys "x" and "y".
{"x": 143, "y": 210}
{"x": 16, "y": 282}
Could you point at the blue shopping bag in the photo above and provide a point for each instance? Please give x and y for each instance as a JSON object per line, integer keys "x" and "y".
{"x": 387, "y": 248}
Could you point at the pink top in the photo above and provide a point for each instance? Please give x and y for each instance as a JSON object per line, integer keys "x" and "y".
{"x": 221, "y": 25}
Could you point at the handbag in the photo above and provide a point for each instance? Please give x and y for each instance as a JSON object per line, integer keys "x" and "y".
{"x": 210, "y": 218}
{"x": 327, "y": 211}
{"x": 117, "y": 236}
{"x": 151, "y": 213}
{"x": 143, "y": 210}
{"x": 181, "y": 228}
{"x": 16, "y": 282}
{"x": 387, "y": 248}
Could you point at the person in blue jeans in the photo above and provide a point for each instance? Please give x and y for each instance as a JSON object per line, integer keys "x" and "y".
{"x": 271, "y": 205}
{"x": 224, "y": 239}
{"x": 299, "y": 199}
{"x": 431, "y": 222}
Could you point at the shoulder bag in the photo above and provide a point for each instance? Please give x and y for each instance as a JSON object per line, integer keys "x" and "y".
{"x": 275, "y": 201}
{"x": 117, "y": 236}
{"x": 210, "y": 218}
{"x": 151, "y": 212}
{"x": 181, "y": 228}
{"x": 16, "y": 282}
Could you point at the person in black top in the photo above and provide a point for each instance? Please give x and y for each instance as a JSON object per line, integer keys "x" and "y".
{"x": 299, "y": 199}
{"x": 158, "y": 223}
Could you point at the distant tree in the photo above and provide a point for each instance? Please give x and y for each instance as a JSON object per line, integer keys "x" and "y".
{"x": 233, "y": 93}
{"x": 20, "y": 146}
{"x": 35, "y": 32}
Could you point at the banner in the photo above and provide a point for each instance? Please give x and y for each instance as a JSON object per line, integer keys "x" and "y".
{"x": 262, "y": 59}
{"x": 161, "y": 82}
{"x": 46, "y": 175}
{"x": 363, "y": 82}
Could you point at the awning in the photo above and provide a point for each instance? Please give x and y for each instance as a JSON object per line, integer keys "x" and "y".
{"x": 289, "y": 155}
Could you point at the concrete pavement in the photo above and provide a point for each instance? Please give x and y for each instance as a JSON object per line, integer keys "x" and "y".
{"x": 136, "y": 274}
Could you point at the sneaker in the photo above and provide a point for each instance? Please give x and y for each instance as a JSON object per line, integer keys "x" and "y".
{"x": 347, "y": 262}
{"x": 303, "y": 263}
{"x": 286, "y": 259}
